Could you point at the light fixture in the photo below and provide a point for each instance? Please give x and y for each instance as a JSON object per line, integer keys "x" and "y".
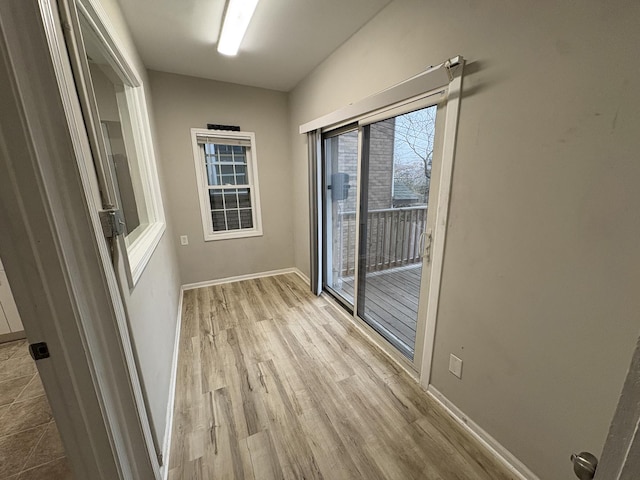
{"x": 236, "y": 21}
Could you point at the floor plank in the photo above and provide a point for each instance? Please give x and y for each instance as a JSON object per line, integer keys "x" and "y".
{"x": 274, "y": 384}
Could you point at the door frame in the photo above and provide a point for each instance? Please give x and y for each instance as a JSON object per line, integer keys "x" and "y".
{"x": 418, "y": 92}
{"x": 450, "y": 133}
{"x": 55, "y": 255}
{"x": 620, "y": 458}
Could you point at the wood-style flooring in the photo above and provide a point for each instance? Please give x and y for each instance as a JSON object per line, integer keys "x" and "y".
{"x": 273, "y": 383}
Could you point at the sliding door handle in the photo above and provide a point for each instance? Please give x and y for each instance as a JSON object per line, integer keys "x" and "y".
{"x": 426, "y": 238}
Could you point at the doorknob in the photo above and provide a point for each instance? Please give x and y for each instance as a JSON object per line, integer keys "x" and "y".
{"x": 584, "y": 465}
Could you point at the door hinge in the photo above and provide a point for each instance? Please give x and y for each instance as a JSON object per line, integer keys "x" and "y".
{"x": 112, "y": 222}
{"x": 39, "y": 350}
{"x": 160, "y": 460}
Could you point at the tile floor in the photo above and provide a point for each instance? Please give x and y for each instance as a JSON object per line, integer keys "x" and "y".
{"x": 30, "y": 447}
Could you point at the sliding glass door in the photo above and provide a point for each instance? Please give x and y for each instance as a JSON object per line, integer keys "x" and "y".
{"x": 340, "y": 166}
{"x": 397, "y": 157}
{"x": 380, "y": 273}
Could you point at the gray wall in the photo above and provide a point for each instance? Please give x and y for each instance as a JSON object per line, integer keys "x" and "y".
{"x": 539, "y": 291}
{"x": 182, "y": 103}
{"x": 153, "y": 303}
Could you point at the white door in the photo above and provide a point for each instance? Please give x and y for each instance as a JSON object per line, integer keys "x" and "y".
{"x": 621, "y": 453}
{"x": 55, "y": 254}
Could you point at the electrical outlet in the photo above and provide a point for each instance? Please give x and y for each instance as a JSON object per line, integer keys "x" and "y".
{"x": 455, "y": 365}
{"x": 184, "y": 240}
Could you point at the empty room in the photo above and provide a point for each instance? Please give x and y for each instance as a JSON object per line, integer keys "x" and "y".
{"x": 342, "y": 239}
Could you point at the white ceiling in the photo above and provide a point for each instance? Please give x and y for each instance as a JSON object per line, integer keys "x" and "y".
{"x": 285, "y": 40}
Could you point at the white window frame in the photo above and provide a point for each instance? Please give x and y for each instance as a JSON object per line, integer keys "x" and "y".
{"x": 141, "y": 248}
{"x": 219, "y": 136}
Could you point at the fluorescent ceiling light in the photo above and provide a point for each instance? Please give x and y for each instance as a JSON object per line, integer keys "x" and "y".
{"x": 236, "y": 21}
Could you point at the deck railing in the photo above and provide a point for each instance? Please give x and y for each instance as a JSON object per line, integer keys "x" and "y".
{"x": 393, "y": 238}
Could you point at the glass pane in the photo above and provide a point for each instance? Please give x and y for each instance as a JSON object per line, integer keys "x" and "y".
{"x": 218, "y": 220}
{"x": 397, "y": 156}
{"x": 210, "y": 152}
{"x": 241, "y": 175}
{"x": 225, "y": 153}
{"x": 233, "y": 219}
{"x": 231, "y": 198}
{"x": 340, "y": 166}
{"x": 244, "y": 197}
{"x": 114, "y": 145}
{"x": 240, "y": 154}
{"x": 216, "y": 199}
{"x": 246, "y": 218}
{"x": 212, "y": 175}
{"x": 227, "y": 175}
{"x": 115, "y": 116}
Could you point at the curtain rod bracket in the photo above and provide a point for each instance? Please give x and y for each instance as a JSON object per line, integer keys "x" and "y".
{"x": 451, "y": 64}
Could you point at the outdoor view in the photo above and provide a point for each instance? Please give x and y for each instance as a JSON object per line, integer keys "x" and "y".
{"x": 396, "y": 179}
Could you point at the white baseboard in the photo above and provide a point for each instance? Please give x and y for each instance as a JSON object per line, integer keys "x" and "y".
{"x": 12, "y": 336}
{"x": 515, "y": 466}
{"x": 302, "y": 275}
{"x": 249, "y": 276}
{"x": 166, "y": 445}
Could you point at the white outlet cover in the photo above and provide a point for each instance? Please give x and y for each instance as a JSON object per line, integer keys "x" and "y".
{"x": 455, "y": 365}
{"x": 184, "y": 240}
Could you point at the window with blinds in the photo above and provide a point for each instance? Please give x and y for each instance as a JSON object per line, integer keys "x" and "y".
{"x": 226, "y": 168}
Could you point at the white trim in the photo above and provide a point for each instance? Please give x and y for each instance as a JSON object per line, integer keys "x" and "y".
{"x": 216, "y": 136}
{"x": 140, "y": 252}
{"x": 431, "y": 79}
{"x": 12, "y": 336}
{"x": 510, "y": 461}
{"x": 301, "y": 275}
{"x": 425, "y": 100}
{"x": 248, "y": 276}
{"x": 440, "y": 226}
{"x": 166, "y": 444}
{"x": 141, "y": 249}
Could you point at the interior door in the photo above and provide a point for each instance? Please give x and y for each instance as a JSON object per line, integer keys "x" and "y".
{"x": 107, "y": 115}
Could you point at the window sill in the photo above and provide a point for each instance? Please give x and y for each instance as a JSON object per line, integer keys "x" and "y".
{"x": 230, "y": 235}
{"x": 141, "y": 250}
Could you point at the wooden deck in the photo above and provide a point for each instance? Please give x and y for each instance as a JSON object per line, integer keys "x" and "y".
{"x": 391, "y": 304}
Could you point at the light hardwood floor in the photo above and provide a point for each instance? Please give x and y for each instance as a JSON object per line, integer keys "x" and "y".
{"x": 273, "y": 383}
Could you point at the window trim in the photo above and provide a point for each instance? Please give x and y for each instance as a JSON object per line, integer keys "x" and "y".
{"x": 140, "y": 250}
{"x": 203, "y": 186}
